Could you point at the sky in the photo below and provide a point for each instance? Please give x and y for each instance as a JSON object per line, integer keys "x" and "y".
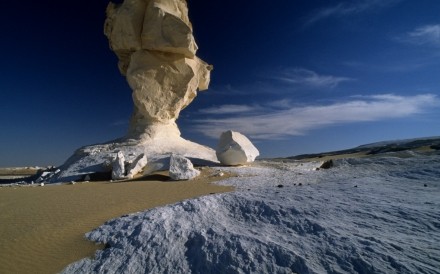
{"x": 295, "y": 76}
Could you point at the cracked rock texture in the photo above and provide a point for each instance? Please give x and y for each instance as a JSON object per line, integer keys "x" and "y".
{"x": 156, "y": 50}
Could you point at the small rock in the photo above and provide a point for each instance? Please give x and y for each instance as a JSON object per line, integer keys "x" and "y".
{"x": 137, "y": 165}
{"x": 118, "y": 167}
{"x": 300, "y": 184}
{"x": 280, "y": 186}
{"x": 181, "y": 168}
{"x": 327, "y": 164}
{"x": 425, "y": 185}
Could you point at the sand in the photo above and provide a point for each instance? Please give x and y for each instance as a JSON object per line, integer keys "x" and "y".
{"x": 42, "y": 228}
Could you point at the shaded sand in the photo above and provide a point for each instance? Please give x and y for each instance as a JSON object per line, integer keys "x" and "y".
{"x": 42, "y": 228}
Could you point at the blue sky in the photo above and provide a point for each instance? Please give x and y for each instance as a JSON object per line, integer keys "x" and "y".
{"x": 295, "y": 76}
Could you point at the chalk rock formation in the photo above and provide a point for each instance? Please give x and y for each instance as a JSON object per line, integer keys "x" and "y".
{"x": 154, "y": 43}
{"x": 118, "y": 166}
{"x": 137, "y": 165}
{"x": 235, "y": 149}
{"x": 156, "y": 50}
{"x": 182, "y": 169}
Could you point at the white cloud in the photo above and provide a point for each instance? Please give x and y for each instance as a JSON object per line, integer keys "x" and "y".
{"x": 308, "y": 78}
{"x": 425, "y": 35}
{"x": 229, "y": 109}
{"x": 276, "y": 124}
{"x": 349, "y": 8}
{"x": 280, "y": 104}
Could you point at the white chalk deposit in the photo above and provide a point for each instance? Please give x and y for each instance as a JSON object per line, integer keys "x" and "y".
{"x": 97, "y": 159}
{"x": 367, "y": 215}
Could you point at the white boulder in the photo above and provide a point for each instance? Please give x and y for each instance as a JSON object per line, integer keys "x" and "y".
{"x": 138, "y": 164}
{"x": 181, "y": 168}
{"x": 118, "y": 167}
{"x": 235, "y": 149}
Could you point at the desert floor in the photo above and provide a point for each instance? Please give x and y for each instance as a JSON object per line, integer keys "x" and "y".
{"x": 42, "y": 228}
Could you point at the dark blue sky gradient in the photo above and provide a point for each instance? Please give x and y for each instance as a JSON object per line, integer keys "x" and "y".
{"x": 60, "y": 87}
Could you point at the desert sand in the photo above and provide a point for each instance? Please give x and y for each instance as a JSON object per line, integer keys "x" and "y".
{"x": 42, "y": 228}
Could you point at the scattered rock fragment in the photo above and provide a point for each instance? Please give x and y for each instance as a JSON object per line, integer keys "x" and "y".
{"x": 219, "y": 174}
{"x": 118, "y": 167}
{"x": 138, "y": 164}
{"x": 181, "y": 168}
{"x": 327, "y": 164}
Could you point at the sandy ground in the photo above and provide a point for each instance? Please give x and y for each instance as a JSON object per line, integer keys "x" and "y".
{"x": 42, "y": 228}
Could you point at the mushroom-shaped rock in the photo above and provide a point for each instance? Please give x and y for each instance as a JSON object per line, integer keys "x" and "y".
{"x": 154, "y": 43}
{"x": 235, "y": 149}
{"x": 118, "y": 166}
{"x": 156, "y": 50}
{"x": 181, "y": 168}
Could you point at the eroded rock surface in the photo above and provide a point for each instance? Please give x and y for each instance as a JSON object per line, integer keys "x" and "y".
{"x": 235, "y": 149}
{"x": 118, "y": 166}
{"x": 137, "y": 165}
{"x": 156, "y": 50}
{"x": 181, "y": 168}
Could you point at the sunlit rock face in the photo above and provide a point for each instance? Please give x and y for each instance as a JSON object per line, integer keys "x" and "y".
{"x": 235, "y": 149}
{"x": 154, "y": 43}
{"x": 156, "y": 50}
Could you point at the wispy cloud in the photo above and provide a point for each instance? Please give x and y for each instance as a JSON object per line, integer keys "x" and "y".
{"x": 308, "y": 78}
{"x": 269, "y": 123}
{"x": 349, "y": 8}
{"x": 424, "y": 35}
{"x": 229, "y": 109}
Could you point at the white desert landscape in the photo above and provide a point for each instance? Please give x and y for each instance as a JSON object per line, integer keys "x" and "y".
{"x": 154, "y": 202}
{"x": 377, "y": 212}
{"x": 364, "y": 215}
